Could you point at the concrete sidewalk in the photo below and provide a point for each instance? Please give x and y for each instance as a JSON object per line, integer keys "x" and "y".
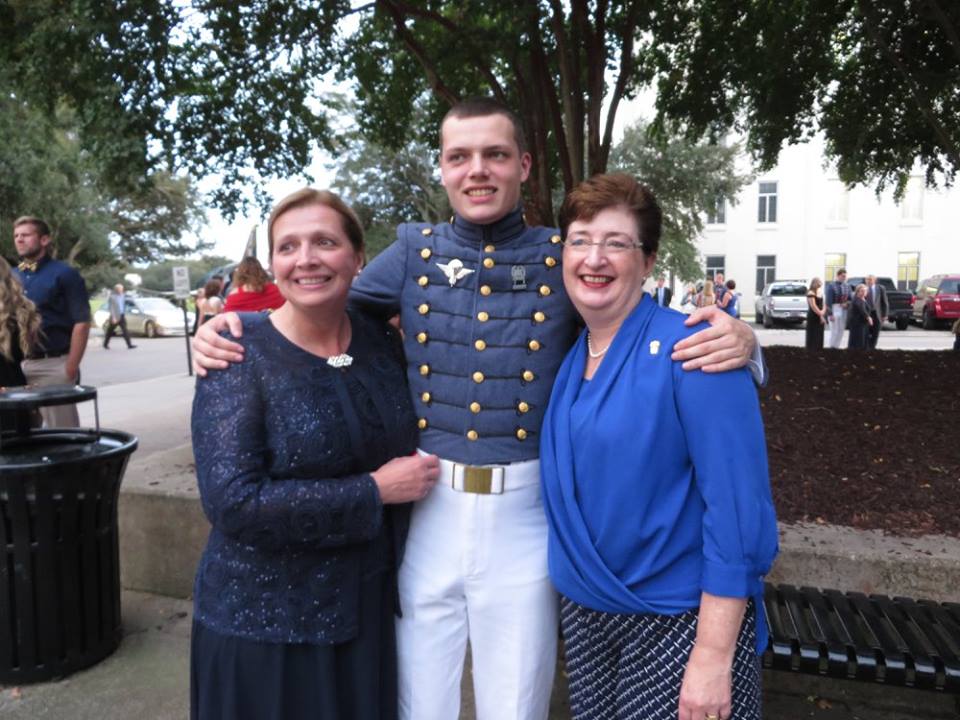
{"x": 148, "y": 679}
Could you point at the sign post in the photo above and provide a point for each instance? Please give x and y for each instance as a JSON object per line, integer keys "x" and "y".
{"x": 181, "y": 291}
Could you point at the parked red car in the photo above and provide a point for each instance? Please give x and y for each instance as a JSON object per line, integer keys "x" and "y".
{"x": 937, "y": 300}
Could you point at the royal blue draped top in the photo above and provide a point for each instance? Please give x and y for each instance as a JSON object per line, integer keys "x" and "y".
{"x": 652, "y": 496}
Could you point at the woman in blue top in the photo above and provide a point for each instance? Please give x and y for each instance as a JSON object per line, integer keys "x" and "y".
{"x": 305, "y": 455}
{"x": 661, "y": 525}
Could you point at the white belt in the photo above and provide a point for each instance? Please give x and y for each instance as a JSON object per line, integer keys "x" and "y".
{"x": 489, "y": 479}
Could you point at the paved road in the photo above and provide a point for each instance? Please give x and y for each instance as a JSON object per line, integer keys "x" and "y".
{"x": 913, "y": 338}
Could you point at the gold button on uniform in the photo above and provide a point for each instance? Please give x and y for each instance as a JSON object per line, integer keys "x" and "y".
{"x": 423, "y": 309}
{"x": 488, "y": 263}
{"x": 426, "y": 253}
{"x": 485, "y": 290}
{"x": 489, "y": 248}
{"x": 550, "y": 261}
{"x": 539, "y": 317}
{"x": 423, "y": 280}
{"x": 474, "y": 407}
{"x": 528, "y": 376}
{"x": 421, "y": 338}
{"x": 472, "y": 435}
{"x": 483, "y": 316}
{"x": 555, "y": 239}
{"x": 425, "y": 397}
{"x": 521, "y": 434}
{"x": 424, "y": 369}
{"x": 422, "y": 423}
{"x": 478, "y": 377}
{"x": 544, "y": 290}
{"x": 480, "y": 345}
{"x": 533, "y": 345}
{"x": 426, "y": 231}
{"x": 522, "y": 406}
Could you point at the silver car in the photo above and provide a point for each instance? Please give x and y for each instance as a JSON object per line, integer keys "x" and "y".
{"x": 147, "y": 316}
{"x": 782, "y": 301}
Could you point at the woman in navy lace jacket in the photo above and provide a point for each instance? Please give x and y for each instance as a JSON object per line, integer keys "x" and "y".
{"x": 305, "y": 455}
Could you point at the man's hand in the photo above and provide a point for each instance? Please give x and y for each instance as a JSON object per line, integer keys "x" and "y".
{"x": 726, "y": 345}
{"x": 212, "y": 352}
{"x": 72, "y": 371}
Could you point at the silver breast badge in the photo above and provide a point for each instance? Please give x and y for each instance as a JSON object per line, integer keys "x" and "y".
{"x": 518, "y": 273}
{"x": 454, "y": 270}
{"x": 654, "y": 347}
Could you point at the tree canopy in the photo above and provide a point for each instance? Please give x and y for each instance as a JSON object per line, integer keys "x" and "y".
{"x": 240, "y": 89}
{"x": 879, "y": 79}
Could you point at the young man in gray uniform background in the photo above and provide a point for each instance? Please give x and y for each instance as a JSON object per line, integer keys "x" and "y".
{"x": 486, "y": 323}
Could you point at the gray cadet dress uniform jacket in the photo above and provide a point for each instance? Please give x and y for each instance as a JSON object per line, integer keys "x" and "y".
{"x": 486, "y": 324}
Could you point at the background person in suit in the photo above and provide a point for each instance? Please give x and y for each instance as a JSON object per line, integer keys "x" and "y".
{"x": 878, "y": 307}
{"x": 662, "y": 294}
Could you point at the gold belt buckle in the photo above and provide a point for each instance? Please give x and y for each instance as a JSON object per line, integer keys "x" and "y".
{"x": 477, "y": 480}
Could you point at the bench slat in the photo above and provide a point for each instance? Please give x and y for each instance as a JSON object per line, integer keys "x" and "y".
{"x": 914, "y": 645}
{"x": 834, "y": 637}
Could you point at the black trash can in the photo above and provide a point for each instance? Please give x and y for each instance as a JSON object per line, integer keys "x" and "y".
{"x": 59, "y": 555}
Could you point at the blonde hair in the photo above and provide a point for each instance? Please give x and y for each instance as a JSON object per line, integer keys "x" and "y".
{"x": 708, "y": 296}
{"x": 17, "y": 313}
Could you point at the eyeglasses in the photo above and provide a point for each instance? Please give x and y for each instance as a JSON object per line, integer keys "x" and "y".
{"x": 607, "y": 245}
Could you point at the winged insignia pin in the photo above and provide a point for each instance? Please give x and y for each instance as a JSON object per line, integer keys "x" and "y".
{"x": 454, "y": 270}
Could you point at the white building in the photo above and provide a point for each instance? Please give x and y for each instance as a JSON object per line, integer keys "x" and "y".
{"x": 798, "y": 221}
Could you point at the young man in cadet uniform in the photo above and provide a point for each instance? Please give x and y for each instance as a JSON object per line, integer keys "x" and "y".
{"x": 486, "y": 325}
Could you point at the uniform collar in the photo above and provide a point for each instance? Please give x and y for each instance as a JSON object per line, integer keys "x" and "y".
{"x": 503, "y": 230}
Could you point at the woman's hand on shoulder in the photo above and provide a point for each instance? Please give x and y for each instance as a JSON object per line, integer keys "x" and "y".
{"x": 706, "y": 689}
{"x": 406, "y": 479}
{"x": 211, "y": 351}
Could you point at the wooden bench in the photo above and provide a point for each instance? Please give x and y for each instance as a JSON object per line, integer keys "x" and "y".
{"x": 894, "y": 641}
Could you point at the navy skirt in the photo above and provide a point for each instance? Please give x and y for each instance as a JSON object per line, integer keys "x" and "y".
{"x": 233, "y": 678}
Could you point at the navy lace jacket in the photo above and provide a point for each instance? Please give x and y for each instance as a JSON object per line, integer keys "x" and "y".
{"x": 284, "y": 445}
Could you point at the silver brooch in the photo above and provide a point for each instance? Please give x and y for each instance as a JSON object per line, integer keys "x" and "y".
{"x": 654, "y": 347}
{"x": 340, "y": 361}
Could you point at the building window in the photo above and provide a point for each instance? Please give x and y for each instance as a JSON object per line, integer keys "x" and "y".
{"x": 908, "y": 270}
{"x": 838, "y": 211}
{"x": 715, "y": 264}
{"x": 767, "y": 209}
{"x": 911, "y": 207}
{"x": 766, "y": 271}
{"x": 833, "y": 262}
{"x": 717, "y": 215}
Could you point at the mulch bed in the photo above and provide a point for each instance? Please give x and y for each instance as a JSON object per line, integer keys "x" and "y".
{"x": 865, "y": 439}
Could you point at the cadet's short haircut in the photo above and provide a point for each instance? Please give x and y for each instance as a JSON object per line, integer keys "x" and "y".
{"x": 484, "y": 107}
{"x": 311, "y": 196}
{"x": 41, "y": 227}
{"x": 593, "y": 196}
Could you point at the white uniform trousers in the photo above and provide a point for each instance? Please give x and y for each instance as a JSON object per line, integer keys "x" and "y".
{"x": 52, "y": 371}
{"x": 838, "y": 324}
{"x": 476, "y": 565}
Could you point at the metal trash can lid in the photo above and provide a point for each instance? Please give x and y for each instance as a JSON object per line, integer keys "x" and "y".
{"x": 30, "y": 396}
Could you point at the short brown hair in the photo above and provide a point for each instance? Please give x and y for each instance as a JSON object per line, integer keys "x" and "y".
{"x": 312, "y": 196}
{"x": 250, "y": 272}
{"x": 593, "y": 196}
{"x": 41, "y": 226}
{"x": 484, "y": 107}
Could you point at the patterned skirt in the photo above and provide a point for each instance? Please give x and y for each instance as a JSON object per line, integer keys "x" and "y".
{"x": 630, "y": 667}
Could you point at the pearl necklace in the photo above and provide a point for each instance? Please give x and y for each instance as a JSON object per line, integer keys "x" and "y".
{"x": 590, "y": 349}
